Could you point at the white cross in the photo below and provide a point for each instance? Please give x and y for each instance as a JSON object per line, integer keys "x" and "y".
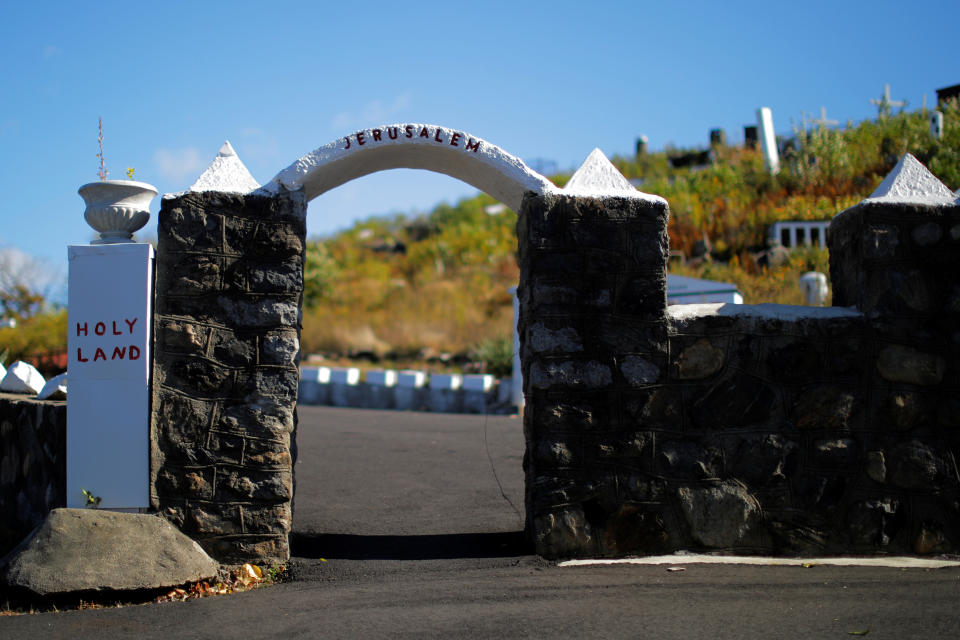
{"x": 884, "y": 103}
{"x": 822, "y": 120}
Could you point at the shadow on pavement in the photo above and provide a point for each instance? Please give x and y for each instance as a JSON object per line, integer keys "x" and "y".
{"x": 414, "y": 547}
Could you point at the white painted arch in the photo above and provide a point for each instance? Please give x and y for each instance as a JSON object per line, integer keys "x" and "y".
{"x": 413, "y": 146}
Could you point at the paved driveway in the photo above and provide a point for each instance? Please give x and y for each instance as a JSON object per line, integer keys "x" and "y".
{"x": 401, "y": 530}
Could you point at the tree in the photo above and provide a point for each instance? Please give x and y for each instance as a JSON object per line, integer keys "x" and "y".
{"x": 27, "y": 284}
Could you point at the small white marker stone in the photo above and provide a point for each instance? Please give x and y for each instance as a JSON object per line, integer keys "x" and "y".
{"x": 382, "y": 378}
{"x": 226, "y": 174}
{"x": 482, "y": 382}
{"x": 411, "y": 379}
{"x": 315, "y": 374}
{"x": 22, "y": 377}
{"x": 446, "y": 381}
{"x": 55, "y": 389}
{"x": 912, "y": 183}
{"x": 349, "y": 376}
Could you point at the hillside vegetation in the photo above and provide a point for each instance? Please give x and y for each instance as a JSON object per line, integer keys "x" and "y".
{"x": 432, "y": 289}
{"x": 412, "y": 288}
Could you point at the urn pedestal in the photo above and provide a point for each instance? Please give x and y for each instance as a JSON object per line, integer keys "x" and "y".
{"x": 117, "y": 208}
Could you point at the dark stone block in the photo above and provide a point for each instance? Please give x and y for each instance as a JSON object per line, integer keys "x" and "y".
{"x": 558, "y": 413}
{"x": 176, "y": 336}
{"x": 253, "y": 486}
{"x": 689, "y": 460}
{"x": 254, "y": 238}
{"x": 835, "y": 453}
{"x": 873, "y": 523}
{"x": 180, "y": 426}
{"x": 253, "y": 276}
{"x": 795, "y": 361}
{"x": 916, "y": 465}
{"x": 234, "y": 349}
{"x": 189, "y": 274}
{"x": 197, "y": 376}
{"x": 642, "y": 294}
{"x": 183, "y": 226}
{"x": 828, "y": 407}
{"x": 257, "y": 312}
{"x": 636, "y": 529}
{"x": 737, "y": 401}
{"x": 762, "y": 459}
{"x": 795, "y": 533}
{"x": 655, "y": 408}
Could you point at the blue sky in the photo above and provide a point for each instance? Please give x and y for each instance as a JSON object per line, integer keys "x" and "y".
{"x": 546, "y": 80}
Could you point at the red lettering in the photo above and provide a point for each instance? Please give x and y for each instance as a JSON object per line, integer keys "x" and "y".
{"x": 360, "y": 138}
{"x": 473, "y": 145}
{"x": 409, "y": 130}
{"x": 453, "y": 140}
{"x": 115, "y": 332}
{"x": 393, "y": 132}
{"x": 134, "y": 353}
{"x": 100, "y": 329}
{"x": 99, "y": 355}
{"x": 376, "y": 134}
{"x": 437, "y": 137}
{"x": 424, "y": 133}
{"x": 348, "y": 142}
{"x": 130, "y": 324}
{"x": 80, "y": 357}
{"x": 82, "y": 328}
{"x": 118, "y": 352}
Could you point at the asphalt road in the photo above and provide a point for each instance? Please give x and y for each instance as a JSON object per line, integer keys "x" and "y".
{"x": 408, "y": 525}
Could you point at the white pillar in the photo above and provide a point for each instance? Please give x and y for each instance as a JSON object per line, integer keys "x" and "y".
{"x": 516, "y": 395}
{"x": 110, "y": 294}
{"x": 768, "y": 140}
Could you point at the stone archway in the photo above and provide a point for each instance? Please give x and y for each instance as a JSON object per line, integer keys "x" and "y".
{"x": 228, "y": 294}
{"x": 413, "y": 146}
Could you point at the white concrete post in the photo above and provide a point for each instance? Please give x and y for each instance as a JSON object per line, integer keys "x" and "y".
{"x": 768, "y": 140}
{"x": 516, "y": 395}
{"x": 110, "y": 294}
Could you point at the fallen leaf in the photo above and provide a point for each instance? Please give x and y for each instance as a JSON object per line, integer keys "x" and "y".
{"x": 858, "y": 633}
{"x": 676, "y": 568}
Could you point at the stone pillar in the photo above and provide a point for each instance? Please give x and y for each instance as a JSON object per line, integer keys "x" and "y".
{"x": 896, "y": 258}
{"x": 222, "y": 443}
{"x": 592, "y": 328}
{"x": 898, "y": 261}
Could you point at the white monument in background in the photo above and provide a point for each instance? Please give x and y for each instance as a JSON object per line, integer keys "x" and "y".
{"x": 768, "y": 140}
{"x": 110, "y": 295}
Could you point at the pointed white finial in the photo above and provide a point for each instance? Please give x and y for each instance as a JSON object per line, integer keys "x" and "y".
{"x": 598, "y": 177}
{"x": 226, "y": 150}
{"x": 912, "y": 183}
{"x": 226, "y": 174}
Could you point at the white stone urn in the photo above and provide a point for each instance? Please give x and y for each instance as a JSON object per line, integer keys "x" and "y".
{"x": 117, "y": 208}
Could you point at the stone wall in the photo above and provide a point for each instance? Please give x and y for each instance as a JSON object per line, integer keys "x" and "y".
{"x": 33, "y": 469}
{"x": 228, "y": 291}
{"x": 765, "y": 429}
{"x": 762, "y": 429}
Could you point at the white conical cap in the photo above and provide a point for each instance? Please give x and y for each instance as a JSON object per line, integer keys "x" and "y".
{"x": 912, "y": 183}
{"x": 598, "y": 177}
{"x": 226, "y": 174}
